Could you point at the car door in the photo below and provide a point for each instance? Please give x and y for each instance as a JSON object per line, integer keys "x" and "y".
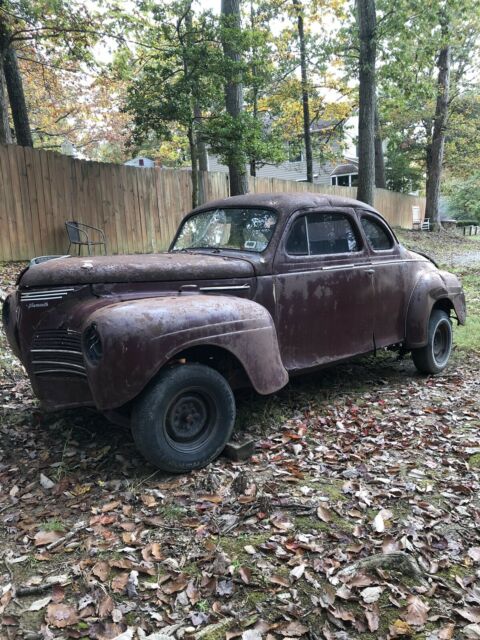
{"x": 323, "y": 289}
{"x": 389, "y": 280}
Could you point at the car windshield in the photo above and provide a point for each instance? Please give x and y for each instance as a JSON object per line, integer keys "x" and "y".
{"x": 240, "y": 229}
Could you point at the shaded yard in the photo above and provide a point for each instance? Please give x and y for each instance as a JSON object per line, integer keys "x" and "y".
{"x": 365, "y": 458}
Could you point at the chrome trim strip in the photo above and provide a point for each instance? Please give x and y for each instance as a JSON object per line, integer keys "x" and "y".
{"x": 44, "y": 291}
{"x": 64, "y": 364}
{"x": 76, "y": 373}
{"x": 341, "y": 266}
{"x": 77, "y": 353}
{"x": 45, "y": 296}
{"x": 226, "y": 288}
{"x": 365, "y": 265}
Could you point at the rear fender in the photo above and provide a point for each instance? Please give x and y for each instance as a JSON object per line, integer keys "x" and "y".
{"x": 434, "y": 288}
{"x": 139, "y": 337}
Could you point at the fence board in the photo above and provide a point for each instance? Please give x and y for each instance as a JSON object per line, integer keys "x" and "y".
{"x": 138, "y": 208}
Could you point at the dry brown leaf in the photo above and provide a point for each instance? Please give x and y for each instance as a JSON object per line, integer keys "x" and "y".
{"x": 472, "y": 614}
{"x": 446, "y": 632}
{"x": 323, "y": 513}
{"x": 105, "y": 607}
{"x": 119, "y": 583}
{"x": 58, "y": 593}
{"x": 176, "y": 585}
{"x": 245, "y": 574}
{"x": 110, "y": 506}
{"x": 292, "y": 629}
{"x": 373, "y": 617}
{"x": 101, "y": 570}
{"x": 281, "y": 580}
{"x": 46, "y": 537}
{"x": 210, "y": 498}
{"x": 343, "y": 614}
{"x": 152, "y": 552}
{"x": 61, "y": 615}
{"x": 416, "y": 611}
{"x": 148, "y": 500}
{"x": 400, "y": 628}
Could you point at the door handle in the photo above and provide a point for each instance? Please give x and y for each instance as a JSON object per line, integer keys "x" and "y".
{"x": 370, "y": 271}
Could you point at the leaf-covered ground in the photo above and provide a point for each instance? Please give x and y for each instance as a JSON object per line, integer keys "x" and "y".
{"x": 367, "y": 461}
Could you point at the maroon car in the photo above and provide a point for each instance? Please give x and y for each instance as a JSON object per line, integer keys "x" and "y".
{"x": 253, "y": 289}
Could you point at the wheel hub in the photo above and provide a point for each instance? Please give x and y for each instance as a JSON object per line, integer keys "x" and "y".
{"x": 187, "y": 417}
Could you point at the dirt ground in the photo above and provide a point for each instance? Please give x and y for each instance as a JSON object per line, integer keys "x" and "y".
{"x": 357, "y": 517}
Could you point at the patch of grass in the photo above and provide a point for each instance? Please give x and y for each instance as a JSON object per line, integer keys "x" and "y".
{"x": 474, "y": 461}
{"x": 306, "y": 524}
{"x": 54, "y": 525}
{"x": 234, "y": 547}
{"x": 171, "y": 512}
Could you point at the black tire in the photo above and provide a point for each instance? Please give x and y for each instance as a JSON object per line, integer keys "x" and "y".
{"x": 433, "y": 357}
{"x": 184, "y": 419}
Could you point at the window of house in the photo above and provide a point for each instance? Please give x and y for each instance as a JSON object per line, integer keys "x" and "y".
{"x": 322, "y": 234}
{"x": 377, "y": 235}
{"x": 347, "y": 180}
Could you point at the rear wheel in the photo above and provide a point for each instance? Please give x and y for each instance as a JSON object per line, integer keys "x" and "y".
{"x": 184, "y": 419}
{"x": 434, "y": 356}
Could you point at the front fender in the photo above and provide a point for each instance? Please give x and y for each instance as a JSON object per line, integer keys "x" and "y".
{"x": 140, "y": 336}
{"x": 432, "y": 287}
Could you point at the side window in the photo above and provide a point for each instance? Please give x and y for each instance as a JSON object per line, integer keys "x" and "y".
{"x": 330, "y": 233}
{"x": 377, "y": 235}
{"x": 297, "y": 240}
{"x": 322, "y": 234}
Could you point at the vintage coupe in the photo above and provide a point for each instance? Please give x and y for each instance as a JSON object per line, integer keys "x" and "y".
{"x": 253, "y": 289}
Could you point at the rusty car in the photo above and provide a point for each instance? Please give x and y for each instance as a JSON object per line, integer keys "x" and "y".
{"x": 254, "y": 289}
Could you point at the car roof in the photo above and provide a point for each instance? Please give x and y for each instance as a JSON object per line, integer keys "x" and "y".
{"x": 286, "y": 203}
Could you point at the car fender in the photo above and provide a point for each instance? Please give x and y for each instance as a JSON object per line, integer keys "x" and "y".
{"x": 140, "y": 336}
{"x": 432, "y": 287}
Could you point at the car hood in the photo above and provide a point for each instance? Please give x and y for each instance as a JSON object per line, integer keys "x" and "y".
{"x": 135, "y": 268}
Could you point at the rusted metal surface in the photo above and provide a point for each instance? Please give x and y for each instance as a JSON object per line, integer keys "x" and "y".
{"x": 271, "y": 313}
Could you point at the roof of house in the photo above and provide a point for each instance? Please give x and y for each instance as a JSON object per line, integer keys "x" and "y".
{"x": 343, "y": 169}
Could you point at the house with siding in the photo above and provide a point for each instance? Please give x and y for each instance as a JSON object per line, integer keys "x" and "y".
{"x": 343, "y": 173}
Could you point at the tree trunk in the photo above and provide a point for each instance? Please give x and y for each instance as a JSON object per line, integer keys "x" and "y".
{"x": 16, "y": 96}
{"x": 307, "y": 137}
{"x": 380, "y": 180}
{"x": 194, "y": 162}
{"x": 253, "y": 161}
{"x": 435, "y": 153}
{"x": 5, "y": 133}
{"x": 366, "y": 22}
{"x": 202, "y": 156}
{"x": 236, "y": 159}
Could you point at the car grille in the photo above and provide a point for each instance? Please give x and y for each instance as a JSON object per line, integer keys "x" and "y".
{"x": 57, "y": 352}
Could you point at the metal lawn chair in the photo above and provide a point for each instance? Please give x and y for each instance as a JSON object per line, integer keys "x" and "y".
{"x": 81, "y": 235}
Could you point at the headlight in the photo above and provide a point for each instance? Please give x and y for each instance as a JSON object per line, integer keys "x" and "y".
{"x": 92, "y": 344}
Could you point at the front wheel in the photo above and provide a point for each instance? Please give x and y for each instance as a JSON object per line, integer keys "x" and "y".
{"x": 184, "y": 419}
{"x": 433, "y": 357}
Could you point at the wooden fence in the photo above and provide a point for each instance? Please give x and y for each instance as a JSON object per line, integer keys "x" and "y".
{"x": 138, "y": 208}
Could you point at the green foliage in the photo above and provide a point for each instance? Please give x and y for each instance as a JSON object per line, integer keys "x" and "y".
{"x": 403, "y": 173}
{"x": 463, "y": 196}
{"x": 410, "y": 38}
